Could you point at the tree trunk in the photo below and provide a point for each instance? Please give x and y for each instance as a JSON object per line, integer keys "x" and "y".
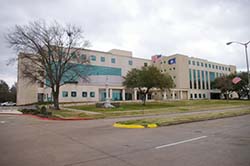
{"x": 56, "y": 98}
{"x": 143, "y": 99}
{"x": 239, "y": 96}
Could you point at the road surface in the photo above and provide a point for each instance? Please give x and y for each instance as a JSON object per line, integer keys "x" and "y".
{"x": 26, "y": 141}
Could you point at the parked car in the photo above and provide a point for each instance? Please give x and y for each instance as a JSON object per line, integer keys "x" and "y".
{"x": 8, "y": 103}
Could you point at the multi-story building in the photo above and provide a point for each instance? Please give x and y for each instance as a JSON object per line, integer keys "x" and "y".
{"x": 105, "y": 76}
{"x": 192, "y": 78}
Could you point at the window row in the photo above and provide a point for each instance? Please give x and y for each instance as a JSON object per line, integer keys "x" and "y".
{"x": 165, "y": 70}
{"x": 197, "y": 63}
{"x": 74, "y": 94}
{"x": 198, "y": 96}
{"x": 113, "y": 60}
{"x": 199, "y": 79}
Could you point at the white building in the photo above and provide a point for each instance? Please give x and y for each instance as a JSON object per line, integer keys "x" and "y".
{"x": 192, "y": 78}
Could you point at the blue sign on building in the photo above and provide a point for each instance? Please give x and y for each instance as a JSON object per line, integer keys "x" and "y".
{"x": 172, "y": 61}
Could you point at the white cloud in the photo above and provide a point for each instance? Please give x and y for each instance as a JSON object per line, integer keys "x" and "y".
{"x": 196, "y": 28}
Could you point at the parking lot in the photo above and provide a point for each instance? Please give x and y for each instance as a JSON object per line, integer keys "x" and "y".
{"x": 29, "y": 141}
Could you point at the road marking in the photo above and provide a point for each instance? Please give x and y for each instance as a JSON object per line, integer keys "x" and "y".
{"x": 180, "y": 142}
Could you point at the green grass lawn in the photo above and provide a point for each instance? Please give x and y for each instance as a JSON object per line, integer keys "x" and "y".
{"x": 130, "y": 109}
{"x": 156, "y": 105}
{"x": 186, "y": 118}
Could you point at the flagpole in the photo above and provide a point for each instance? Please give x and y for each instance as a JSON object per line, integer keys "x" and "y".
{"x": 248, "y": 77}
{"x": 247, "y": 71}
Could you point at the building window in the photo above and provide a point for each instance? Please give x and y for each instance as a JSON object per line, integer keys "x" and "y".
{"x": 73, "y": 55}
{"x": 216, "y": 67}
{"x": 93, "y": 58}
{"x": 219, "y": 67}
{"x": 207, "y": 79}
{"x": 205, "y": 65}
{"x": 92, "y": 94}
{"x": 226, "y": 68}
{"x": 199, "y": 95}
{"x": 209, "y": 65}
{"x": 191, "y": 96}
{"x": 73, "y": 93}
{"x": 84, "y": 94}
{"x": 222, "y": 68}
{"x": 198, "y": 63}
{"x": 189, "y": 62}
{"x": 190, "y": 78}
{"x": 165, "y": 62}
{"x": 199, "y": 79}
{"x": 102, "y": 59}
{"x": 203, "y": 79}
{"x": 195, "y": 96}
{"x": 65, "y": 94}
{"x": 83, "y": 58}
{"x": 130, "y": 62}
{"x": 194, "y": 76}
{"x": 145, "y": 64}
{"x": 213, "y": 66}
{"x": 229, "y": 69}
{"x": 173, "y": 68}
{"x": 193, "y": 62}
{"x": 201, "y": 64}
{"x": 112, "y": 60}
{"x": 204, "y": 96}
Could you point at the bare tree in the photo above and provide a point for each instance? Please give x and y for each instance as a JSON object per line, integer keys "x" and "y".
{"x": 51, "y": 49}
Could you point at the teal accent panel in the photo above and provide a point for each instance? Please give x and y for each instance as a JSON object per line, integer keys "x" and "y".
{"x": 103, "y": 95}
{"x": 202, "y": 76}
{"x": 103, "y": 70}
{"x": 116, "y": 95}
{"x": 72, "y": 75}
{"x": 212, "y": 76}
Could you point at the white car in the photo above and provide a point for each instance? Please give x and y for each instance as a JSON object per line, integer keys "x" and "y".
{"x": 8, "y": 103}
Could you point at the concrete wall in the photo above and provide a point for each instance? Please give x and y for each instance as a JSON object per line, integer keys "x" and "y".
{"x": 26, "y": 90}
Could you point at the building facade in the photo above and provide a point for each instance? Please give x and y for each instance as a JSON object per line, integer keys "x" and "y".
{"x": 105, "y": 76}
{"x": 192, "y": 78}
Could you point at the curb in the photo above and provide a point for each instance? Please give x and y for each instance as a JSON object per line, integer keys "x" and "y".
{"x": 134, "y": 126}
{"x": 43, "y": 118}
{"x": 5, "y": 113}
{"x": 57, "y": 119}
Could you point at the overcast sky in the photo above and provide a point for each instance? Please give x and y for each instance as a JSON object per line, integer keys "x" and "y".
{"x": 146, "y": 27}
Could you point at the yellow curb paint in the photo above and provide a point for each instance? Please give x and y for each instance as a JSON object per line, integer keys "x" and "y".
{"x": 128, "y": 126}
{"x": 153, "y": 125}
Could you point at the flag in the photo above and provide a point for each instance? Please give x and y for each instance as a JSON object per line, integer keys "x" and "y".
{"x": 156, "y": 58}
{"x": 236, "y": 80}
{"x": 171, "y": 61}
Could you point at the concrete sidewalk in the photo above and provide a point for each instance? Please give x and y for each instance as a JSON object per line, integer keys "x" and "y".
{"x": 9, "y": 110}
{"x": 83, "y": 111}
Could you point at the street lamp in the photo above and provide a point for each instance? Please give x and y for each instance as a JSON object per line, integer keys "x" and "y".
{"x": 244, "y": 44}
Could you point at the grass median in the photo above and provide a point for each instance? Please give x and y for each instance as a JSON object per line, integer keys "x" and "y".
{"x": 166, "y": 107}
{"x": 185, "y": 118}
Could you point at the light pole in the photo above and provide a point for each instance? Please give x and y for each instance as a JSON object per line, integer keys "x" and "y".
{"x": 244, "y": 44}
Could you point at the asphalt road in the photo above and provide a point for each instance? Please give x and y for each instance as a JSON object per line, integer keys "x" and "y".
{"x": 25, "y": 141}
